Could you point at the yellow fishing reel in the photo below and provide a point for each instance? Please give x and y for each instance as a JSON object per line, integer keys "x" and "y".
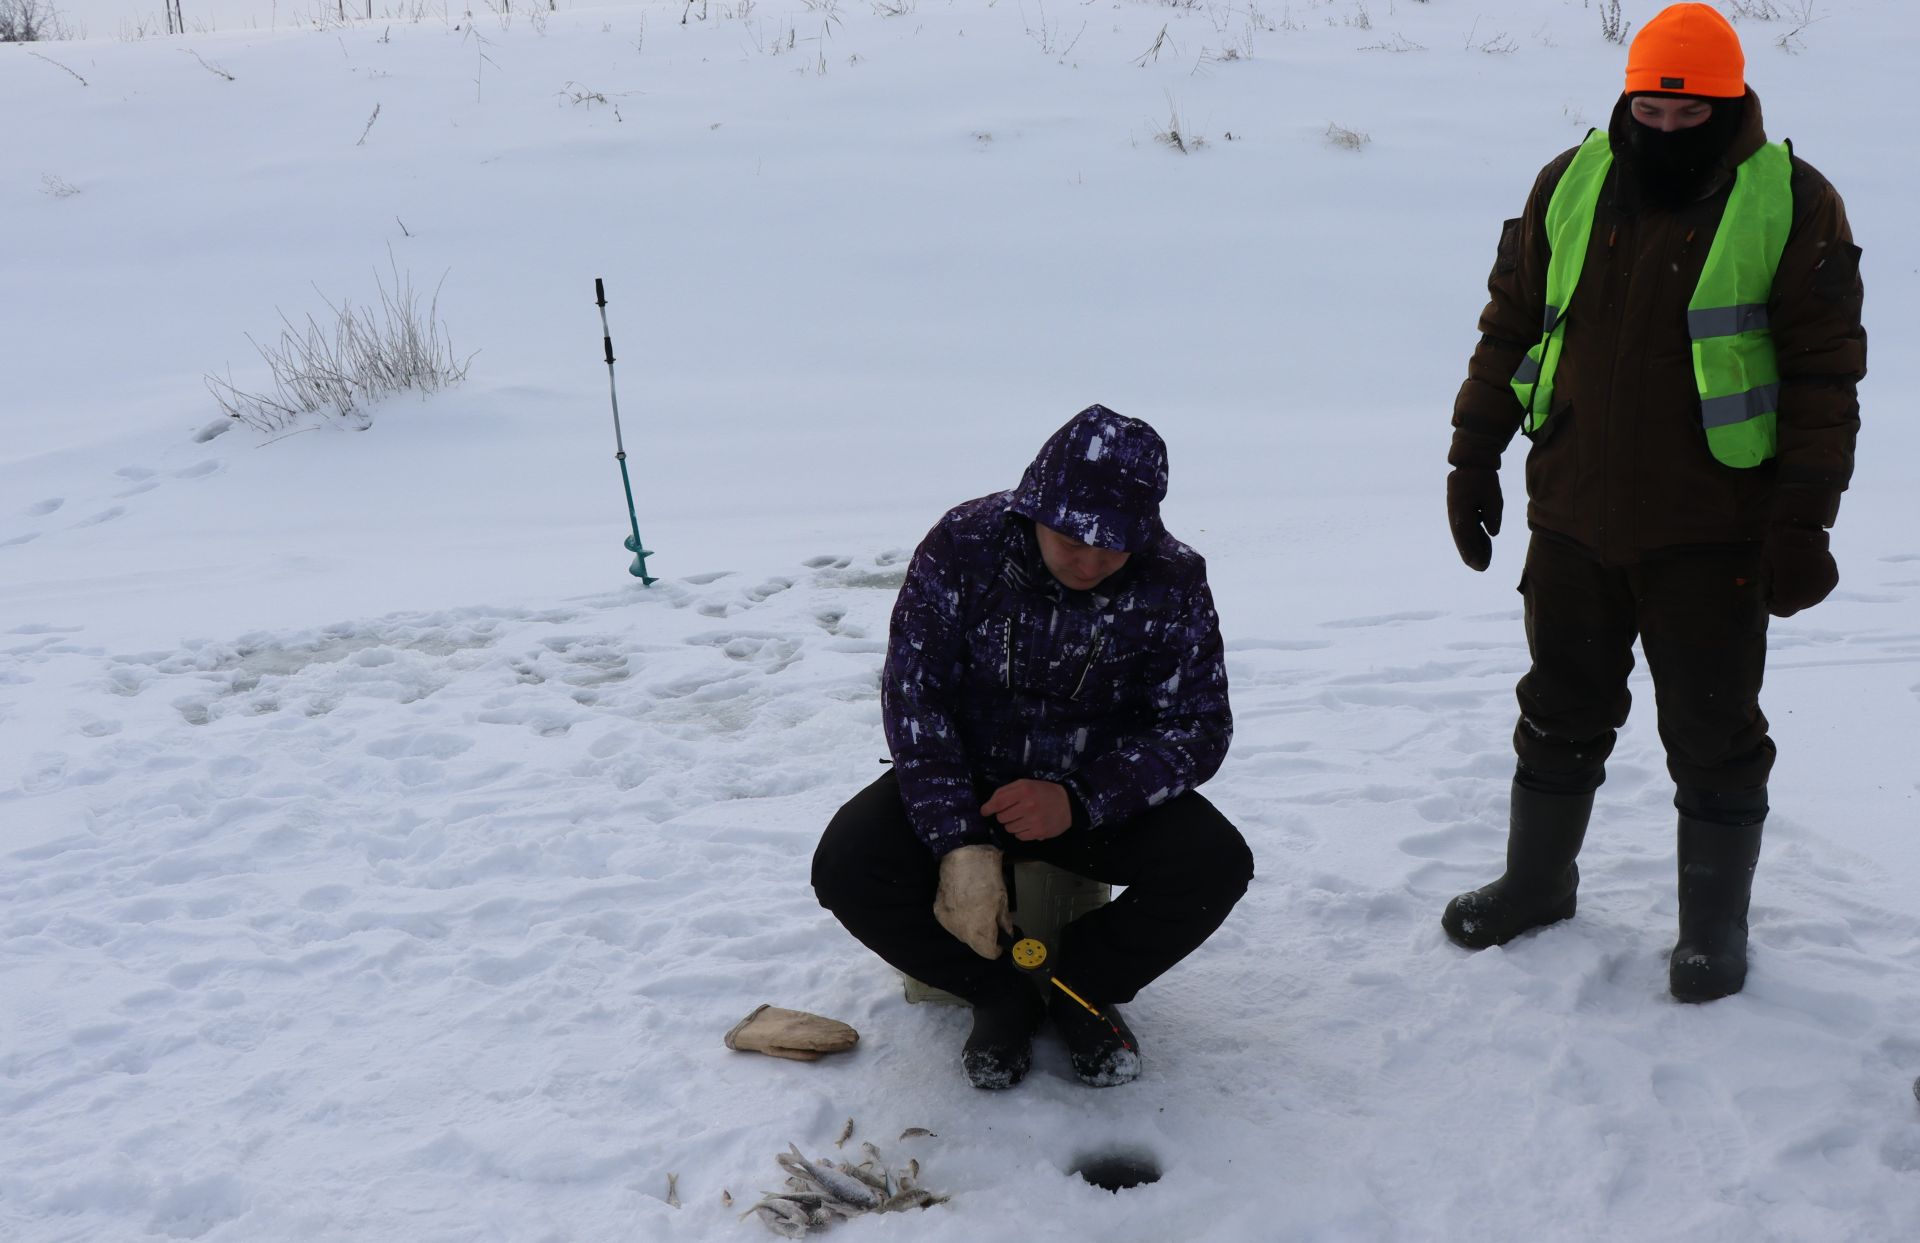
{"x": 1029, "y": 954}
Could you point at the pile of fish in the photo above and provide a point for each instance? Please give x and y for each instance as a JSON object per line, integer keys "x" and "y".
{"x": 820, "y": 1192}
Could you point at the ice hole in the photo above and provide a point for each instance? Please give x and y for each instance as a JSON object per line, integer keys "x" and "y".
{"x": 1117, "y": 1169}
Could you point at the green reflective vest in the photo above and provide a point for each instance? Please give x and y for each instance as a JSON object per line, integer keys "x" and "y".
{"x": 1733, "y": 359}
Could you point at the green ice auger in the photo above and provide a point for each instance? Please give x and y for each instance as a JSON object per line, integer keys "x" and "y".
{"x": 640, "y": 553}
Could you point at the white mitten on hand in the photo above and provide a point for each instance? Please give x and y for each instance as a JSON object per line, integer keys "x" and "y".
{"x": 791, "y": 1034}
{"x": 972, "y": 902}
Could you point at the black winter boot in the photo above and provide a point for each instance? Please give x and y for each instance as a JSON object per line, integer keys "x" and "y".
{"x": 1102, "y": 1048}
{"x": 1544, "y": 833}
{"x": 1718, "y": 855}
{"x": 1000, "y": 1048}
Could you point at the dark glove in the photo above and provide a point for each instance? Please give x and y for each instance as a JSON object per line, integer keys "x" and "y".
{"x": 1800, "y": 570}
{"x": 1473, "y": 512}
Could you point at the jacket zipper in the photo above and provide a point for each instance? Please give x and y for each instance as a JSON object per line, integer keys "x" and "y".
{"x": 1093, "y": 654}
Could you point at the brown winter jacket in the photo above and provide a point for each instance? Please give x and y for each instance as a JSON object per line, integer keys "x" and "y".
{"x": 1621, "y": 465}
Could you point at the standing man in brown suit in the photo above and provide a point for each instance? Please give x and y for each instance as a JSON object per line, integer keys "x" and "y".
{"x": 1675, "y": 325}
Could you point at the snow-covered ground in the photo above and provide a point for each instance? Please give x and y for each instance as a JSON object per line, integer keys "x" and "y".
{"x": 378, "y": 861}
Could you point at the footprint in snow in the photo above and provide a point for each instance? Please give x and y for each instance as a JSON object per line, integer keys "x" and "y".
{"x": 97, "y": 1033}
{"x": 140, "y": 477}
{"x": 200, "y": 470}
{"x": 1459, "y": 839}
{"x": 829, "y": 620}
{"x": 190, "y": 1209}
{"x": 40, "y": 509}
{"x": 773, "y": 651}
{"x": 105, "y": 515}
{"x": 325, "y": 898}
{"x": 436, "y": 746}
{"x": 46, "y": 772}
{"x": 194, "y": 710}
{"x": 882, "y": 579}
{"x": 594, "y": 662}
{"x": 1278, "y": 645}
{"x": 1383, "y": 619}
{"x": 28, "y": 538}
{"x": 1715, "y": 1136}
{"x": 1607, "y": 982}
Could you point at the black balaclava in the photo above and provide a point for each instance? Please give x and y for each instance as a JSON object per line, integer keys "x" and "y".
{"x": 1677, "y": 167}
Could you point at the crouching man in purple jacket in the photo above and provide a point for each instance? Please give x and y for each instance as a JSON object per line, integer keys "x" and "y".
{"x": 1054, "y": 689}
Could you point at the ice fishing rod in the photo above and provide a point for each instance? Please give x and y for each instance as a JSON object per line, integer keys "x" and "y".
{"x": 1030, "y": 955}
{"x": 640, "y": 553}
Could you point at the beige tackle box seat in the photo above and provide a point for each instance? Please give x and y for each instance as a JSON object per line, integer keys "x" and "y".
{"x": 1045, "y": 900}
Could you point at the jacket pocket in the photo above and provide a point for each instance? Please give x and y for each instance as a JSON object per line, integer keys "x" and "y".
{"x": 1120, "y": 677}
{"x": 1551, "y": 426}
{"x": 1837, "y": 279}
{"x": 1029, "y": 651}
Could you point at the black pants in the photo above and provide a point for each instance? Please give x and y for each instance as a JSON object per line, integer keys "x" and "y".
{"x": 1701, "y": 618}
{"x": 1183, "y": 864}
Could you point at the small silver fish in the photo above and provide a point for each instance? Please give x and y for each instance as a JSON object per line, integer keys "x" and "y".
{"x": 915, "y": 1132}
{"x": 846, "y": 1133}
{"x": 876, "y": 1179}
{"x": 915, "y": 1197}
{"x": 726, "y": 1198}
{"x": 673, "y": 1191}
{"x": 783, "y": 1206}
{"x": 840, "y": 1186}
{"x": 809, "y": 1194}
{"x": 873, "y": 1154}
{"x": 782, "y": 1225}
{"x": 808, "y": 1200}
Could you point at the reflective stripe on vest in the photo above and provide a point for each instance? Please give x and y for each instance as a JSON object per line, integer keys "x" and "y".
{"x": 1734, "y": 367}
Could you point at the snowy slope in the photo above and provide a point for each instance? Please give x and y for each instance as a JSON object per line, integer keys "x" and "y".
{"x": 378, "y": 861}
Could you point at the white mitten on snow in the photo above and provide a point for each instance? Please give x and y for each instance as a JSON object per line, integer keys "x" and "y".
{"x": 793, "y": 1034}
{"x": 972, "y": 902}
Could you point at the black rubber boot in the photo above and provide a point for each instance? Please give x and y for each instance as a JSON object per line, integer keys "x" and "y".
{"x": 1719, "y": 849}
{"x": 1544, "y": 833}
{"x": 999, "y": 1049}
{"x": 1103, "y": 1049}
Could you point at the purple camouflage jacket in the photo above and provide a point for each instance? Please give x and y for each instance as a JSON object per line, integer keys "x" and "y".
{"x": 996, "y": 671}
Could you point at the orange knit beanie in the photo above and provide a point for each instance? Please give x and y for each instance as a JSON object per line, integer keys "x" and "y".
{"x": 1689, "y": 49}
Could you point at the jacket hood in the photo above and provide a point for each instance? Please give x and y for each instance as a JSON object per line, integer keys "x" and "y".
{"x": 1099, "y": 479}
